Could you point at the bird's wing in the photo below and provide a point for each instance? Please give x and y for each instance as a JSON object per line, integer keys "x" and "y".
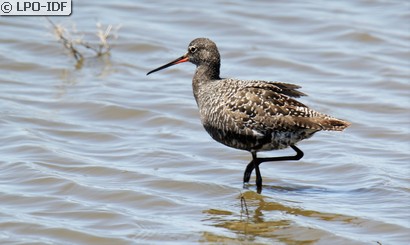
{"x": 266, "y": 106}
{"x": 288, "y": 89}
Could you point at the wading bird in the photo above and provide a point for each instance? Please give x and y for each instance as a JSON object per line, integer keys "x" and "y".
{"x": 251, "y": 115}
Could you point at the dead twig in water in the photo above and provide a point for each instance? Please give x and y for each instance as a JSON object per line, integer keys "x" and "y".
{"x": 60, "y": 32}
{"x": 74, "y": 45}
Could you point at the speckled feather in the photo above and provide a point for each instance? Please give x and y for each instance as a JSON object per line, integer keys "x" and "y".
{"x": 249, "y": 115}
{"x": 258, "y": 115}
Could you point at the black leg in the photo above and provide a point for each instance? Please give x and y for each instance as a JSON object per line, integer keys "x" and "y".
{"x": 298, "y": 156}
{"x": 258, "y": 177}
{"x": 249, "y": 168}
{"x": 248, "y": 172}
{"x": 254, "y": 164}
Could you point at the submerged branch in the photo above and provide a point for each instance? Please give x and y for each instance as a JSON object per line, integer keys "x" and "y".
{"x": 78, "y": 46}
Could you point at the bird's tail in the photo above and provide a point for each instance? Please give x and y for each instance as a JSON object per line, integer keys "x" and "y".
{"x": 333, "y": 124}
{"x": 321, "y": 122}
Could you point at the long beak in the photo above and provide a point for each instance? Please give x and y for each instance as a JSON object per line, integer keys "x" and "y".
{"x": 181, "y": 59}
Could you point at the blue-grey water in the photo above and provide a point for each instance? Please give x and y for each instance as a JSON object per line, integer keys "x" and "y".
{"x": 99, "y": 153}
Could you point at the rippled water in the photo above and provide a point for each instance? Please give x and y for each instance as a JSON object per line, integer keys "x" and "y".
{"x": 102, "y": 154}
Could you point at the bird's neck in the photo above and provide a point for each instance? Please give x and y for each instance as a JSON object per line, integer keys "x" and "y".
{"x": 204, "y": 73}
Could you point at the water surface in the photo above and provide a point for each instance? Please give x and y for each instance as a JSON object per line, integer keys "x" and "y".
{"x": 102, "y": 154}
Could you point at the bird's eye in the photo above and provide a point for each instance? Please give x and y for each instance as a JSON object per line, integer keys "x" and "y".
{"x": 192, "y": 49}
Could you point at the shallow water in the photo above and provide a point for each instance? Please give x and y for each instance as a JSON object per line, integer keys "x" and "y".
{"x": 103, "y": 154}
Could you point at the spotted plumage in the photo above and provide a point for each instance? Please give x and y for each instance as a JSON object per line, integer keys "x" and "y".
{"x": 258, "y": 115}
{"x": 250, "y": 115}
